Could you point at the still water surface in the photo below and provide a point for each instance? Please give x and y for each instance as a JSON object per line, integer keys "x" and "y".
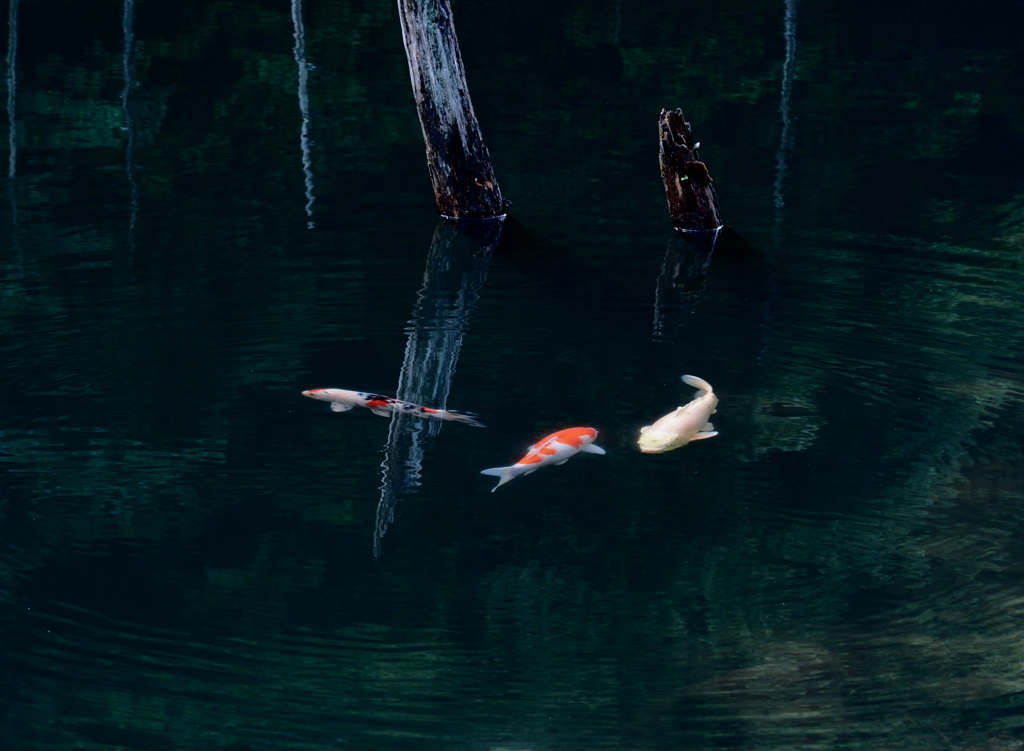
{"x": 213, "y": 207}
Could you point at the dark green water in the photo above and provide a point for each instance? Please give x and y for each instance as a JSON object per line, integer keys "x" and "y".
{"x": 204, "y": 217}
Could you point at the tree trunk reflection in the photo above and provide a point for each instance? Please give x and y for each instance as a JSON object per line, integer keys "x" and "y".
{"x": 456, "y": 269}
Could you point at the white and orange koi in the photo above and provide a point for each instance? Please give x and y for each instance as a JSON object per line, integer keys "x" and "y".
{"x": 343, "y": 400}
{"x": 556, "y": 448}
{"x": 683, "y": 424}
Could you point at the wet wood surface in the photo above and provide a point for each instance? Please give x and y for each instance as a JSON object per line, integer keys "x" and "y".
{"x": 692, "y": 203}
{"x": 457, "y": 158}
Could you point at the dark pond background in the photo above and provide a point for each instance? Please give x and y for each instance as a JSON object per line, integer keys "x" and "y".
{"x": 212, "y": 205}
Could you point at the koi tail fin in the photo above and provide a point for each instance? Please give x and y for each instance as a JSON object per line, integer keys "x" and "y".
{"x": 697, "y": 383}
{"x": 466, "y": 418}
{"x": 505, "y": 473}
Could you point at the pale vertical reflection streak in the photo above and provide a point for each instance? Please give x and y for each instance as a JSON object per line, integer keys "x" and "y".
{"x": 788, "y": 69}
{"x": 300, "y": 59}
{"x": 12, "y": 155}
{"x": 455, "y": 274}
{"x": 128, "y": 65}
{"x": 12, "y": 51}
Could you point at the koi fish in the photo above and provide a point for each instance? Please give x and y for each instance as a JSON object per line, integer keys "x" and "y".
{"x": 556, "y": 448}
{"x": 343, "y": 400}
{"x": 684, "y": 424}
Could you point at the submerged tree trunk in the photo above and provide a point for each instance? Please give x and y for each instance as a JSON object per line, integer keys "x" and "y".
{"x": 692, "y": 202}
{"x": 458, "y": 160}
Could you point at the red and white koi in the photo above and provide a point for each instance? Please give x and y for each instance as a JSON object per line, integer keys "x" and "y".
{"x": 556, "y": 448}
{"x": 343, "y": 400}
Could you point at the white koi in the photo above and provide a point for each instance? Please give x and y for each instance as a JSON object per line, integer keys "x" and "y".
{"x": 343, "y": 400}
{"x": 684, "y": 424}
{"x": 556, "y": 448}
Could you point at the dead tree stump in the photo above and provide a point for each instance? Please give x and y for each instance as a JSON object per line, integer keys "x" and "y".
{"x": 692, "y": 203}
{"x": 457, "y": 158}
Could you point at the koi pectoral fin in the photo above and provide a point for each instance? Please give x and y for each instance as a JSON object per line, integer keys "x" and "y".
{"x": 339, "y": 407}
{"x": 381, "y": 411}
{"x": 558, "y": 464}
{"x": 699, "y": 436}
{"x": 592, "y": 449}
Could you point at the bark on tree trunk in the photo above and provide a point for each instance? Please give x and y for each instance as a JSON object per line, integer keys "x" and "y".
{"x": 692, "y": 203}
{"x": 457, "y": 158}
